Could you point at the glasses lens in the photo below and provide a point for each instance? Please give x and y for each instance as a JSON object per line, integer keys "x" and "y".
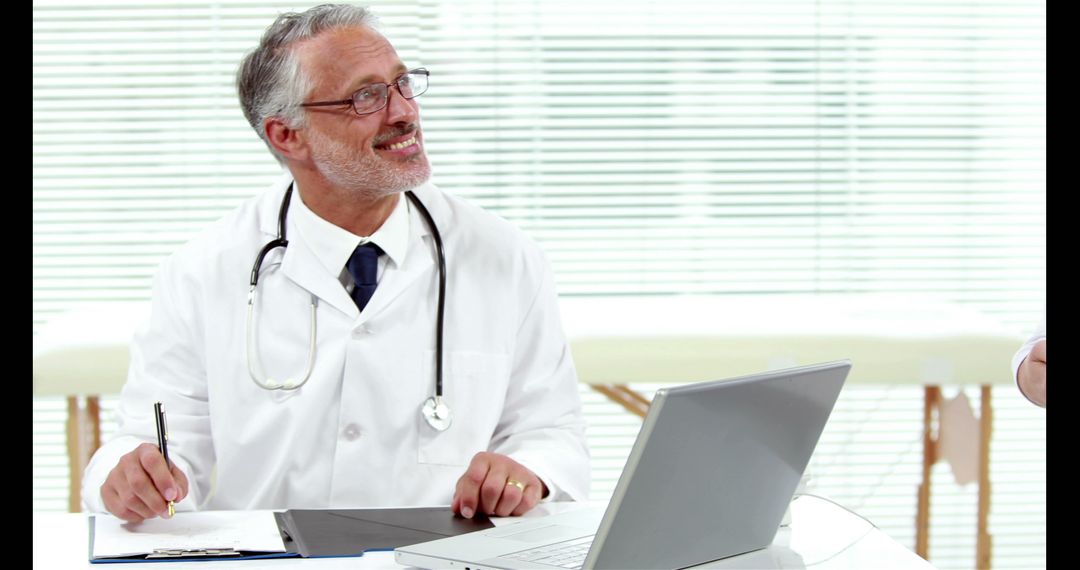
{"x": 413, "y": 83}
{"x": 370, "y": 98}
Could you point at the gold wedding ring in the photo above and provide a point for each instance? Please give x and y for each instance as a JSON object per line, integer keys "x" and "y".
{"x": 516, "y": 483}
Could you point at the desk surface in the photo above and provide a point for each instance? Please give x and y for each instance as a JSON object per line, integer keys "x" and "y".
{"x": 821, "y": 535}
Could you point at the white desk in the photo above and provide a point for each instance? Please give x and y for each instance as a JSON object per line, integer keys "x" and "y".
{"x": 821, "y": 535}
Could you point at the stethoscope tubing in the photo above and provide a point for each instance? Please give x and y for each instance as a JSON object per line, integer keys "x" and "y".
{"x": 282, "y": 242}
{"x": 441, "y": 257}
{"x": 279, "y": 242}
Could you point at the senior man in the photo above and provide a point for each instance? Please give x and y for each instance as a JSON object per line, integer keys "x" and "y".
{"x": 360, "y": 375}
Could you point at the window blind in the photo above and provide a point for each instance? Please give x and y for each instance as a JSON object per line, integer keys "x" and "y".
{"x": 652, "y": 147}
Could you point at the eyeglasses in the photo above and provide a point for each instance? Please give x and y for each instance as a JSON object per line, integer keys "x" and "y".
{"x": 372, "y": 98}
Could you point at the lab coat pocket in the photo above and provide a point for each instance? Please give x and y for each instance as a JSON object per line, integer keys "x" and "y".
{"x": 474, "y": 386}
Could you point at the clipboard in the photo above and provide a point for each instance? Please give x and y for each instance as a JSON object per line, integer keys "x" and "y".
{"x": 311, "y": 533}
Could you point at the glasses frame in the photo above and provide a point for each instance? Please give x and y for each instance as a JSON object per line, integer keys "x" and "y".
{"x": 351, "y": 101}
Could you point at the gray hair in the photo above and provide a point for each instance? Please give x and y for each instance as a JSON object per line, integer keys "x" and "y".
{"x": 270, "y": 81}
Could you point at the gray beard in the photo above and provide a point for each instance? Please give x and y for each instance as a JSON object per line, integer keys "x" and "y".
{"x": 368, "y": 178}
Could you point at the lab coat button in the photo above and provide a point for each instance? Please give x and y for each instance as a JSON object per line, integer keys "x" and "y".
{"x": 351, "y": 432}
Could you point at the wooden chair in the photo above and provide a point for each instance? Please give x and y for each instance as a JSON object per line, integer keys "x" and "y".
{"x": 81, "y": 354}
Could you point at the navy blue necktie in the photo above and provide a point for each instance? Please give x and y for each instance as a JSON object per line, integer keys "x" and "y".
{"x": 363, "y": 265}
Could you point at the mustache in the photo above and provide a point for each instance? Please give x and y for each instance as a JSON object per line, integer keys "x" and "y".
{"x": 397, "y": 132}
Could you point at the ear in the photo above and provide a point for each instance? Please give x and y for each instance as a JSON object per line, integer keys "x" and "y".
{"x": 289, "y": 142}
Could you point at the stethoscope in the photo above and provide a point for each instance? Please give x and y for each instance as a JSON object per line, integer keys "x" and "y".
{"x": 435, "y": 410}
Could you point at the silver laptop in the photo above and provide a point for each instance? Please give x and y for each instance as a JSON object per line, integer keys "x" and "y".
{"x": 710, "y": 475}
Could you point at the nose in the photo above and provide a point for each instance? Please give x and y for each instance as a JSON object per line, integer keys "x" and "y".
{"x": 399, "y": 109}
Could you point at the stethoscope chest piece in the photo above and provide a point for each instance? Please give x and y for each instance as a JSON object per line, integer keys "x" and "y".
{"x": 437, "y": 414}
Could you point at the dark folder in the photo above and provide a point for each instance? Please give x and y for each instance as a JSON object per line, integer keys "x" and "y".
{"x": 311, "y": 533}
{"x": 351, "y": 532}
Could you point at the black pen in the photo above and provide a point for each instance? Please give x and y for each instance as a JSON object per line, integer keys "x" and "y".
{"x": 163, "y": 440}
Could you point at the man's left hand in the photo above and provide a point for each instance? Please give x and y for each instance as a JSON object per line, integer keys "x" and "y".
{"x": 491, "y": 485}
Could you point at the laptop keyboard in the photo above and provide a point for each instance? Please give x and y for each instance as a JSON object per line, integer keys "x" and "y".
{"x": 569, "y": 554}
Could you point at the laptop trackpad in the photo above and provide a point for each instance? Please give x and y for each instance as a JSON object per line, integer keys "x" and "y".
{"x": 543, "y": 534}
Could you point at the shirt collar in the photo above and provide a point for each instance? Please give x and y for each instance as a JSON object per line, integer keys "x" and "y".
{"x": 333, "y": 245}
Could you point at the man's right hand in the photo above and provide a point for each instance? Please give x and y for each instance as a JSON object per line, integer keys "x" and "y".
{"x": 141, "y": 485}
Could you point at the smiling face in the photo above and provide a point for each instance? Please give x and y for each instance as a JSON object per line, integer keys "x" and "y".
{"x": 369, "y": 156}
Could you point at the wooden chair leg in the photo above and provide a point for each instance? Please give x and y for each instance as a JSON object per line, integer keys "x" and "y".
{"x": 983, "y": 540}
{"x": 83, "y": 439}
{"x": 931, "y": 402}
{"x": 93, "y": 416}
{"x": 74, "y": 436}
{"x": 625, "y": 397}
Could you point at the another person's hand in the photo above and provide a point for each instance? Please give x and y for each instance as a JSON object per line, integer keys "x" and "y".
{"x": 1032, "y": 374}
{"x": 141, "y": 485}
{"x": 490, "y": 485}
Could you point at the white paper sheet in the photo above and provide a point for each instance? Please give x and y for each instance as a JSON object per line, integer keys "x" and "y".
{"x": 239, "y": 530}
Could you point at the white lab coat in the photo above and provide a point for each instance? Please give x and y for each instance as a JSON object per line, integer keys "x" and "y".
{"x": 353, "y": 436}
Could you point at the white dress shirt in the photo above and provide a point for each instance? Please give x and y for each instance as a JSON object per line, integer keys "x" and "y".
{"x": 333, "y": 245}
